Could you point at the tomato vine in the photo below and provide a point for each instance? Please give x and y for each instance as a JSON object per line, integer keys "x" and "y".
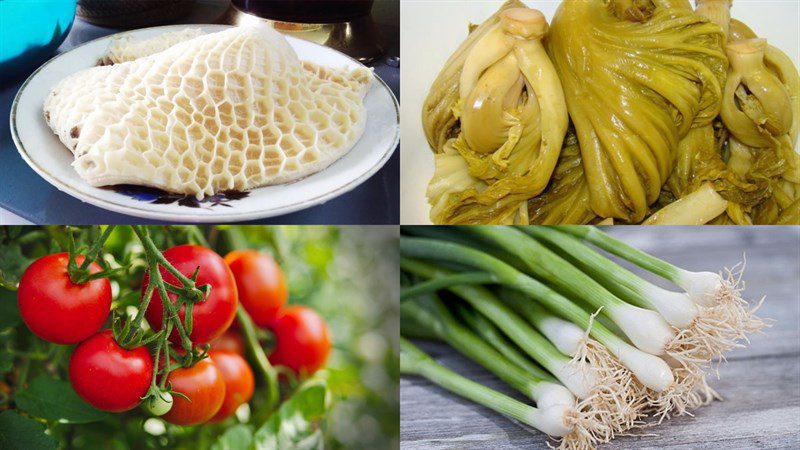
{"x": 46, "y": 383}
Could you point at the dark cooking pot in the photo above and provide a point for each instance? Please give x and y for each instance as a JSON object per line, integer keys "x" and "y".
{"x": 132, "y": 13}
{"x": 307, "y": 11}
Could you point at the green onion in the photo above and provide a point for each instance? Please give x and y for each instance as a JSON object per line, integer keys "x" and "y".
{"x": 565, "y": 335}
{"x": 431, "y": 311}
{"x": 702, "y": 287}
{"x": 728, "y": 317}
{"x": 646, "y": 329}
{"x": 443, "y": 282}
{"x": 578, "y": 377}
{"x": 678, "y": 309}
{"x": 554, "y": 420}
{"x": 547, "y": 282}
{"x": 651, "y": 371}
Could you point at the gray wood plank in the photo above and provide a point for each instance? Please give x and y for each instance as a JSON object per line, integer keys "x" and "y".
{"x": 760, "y": 384}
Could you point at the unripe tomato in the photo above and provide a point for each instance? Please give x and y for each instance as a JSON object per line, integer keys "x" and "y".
{"x": 55, "y": 308}
{"x": 239, "y": 382}
{"x": 205, "y": 387}
{"x": 160, "y": 404}
{"x": 260, "y": 282}
{"x": 231, "y": 341}
{"x": 108, "y": 376}
{"x": 302, "y": 340}
{"x": 211, "y": 316}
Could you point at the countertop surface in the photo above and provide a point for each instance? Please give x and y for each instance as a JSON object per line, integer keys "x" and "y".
{"x": 760, "y": 384}
{"x": 27, "y": 195}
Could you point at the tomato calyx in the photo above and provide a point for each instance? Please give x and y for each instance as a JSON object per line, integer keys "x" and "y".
{"x": 180, "y": 358}
{"x": 81, "y": 274}
{"x": 128, "y": 334}
{"x": 190, "y": 293}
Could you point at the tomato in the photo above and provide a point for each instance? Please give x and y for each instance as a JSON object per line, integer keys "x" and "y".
{"x": 230, "y": 341}
{"x": 239, "y": 382}
{"x": 108, "y": 376}
{"x": 55, "y": 308}
{"x": 211, "y": 316}
{"x": 160, "y": 404}
{"x": 260, "y": 282}
{"x": 302, "y": 341}
{"x": 203, "y": 385}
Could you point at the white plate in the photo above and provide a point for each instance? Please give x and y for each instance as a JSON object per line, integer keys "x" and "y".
{"x": 440, "y": 27}
{"x": 42, "y": 150}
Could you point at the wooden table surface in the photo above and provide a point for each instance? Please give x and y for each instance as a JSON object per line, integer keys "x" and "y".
{"x": 760, "y": 384}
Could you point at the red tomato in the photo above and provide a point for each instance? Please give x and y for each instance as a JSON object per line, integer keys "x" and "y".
{"x": 239, "y": 382}
{"x": 212, "y": 316}
{"x": 302, "y": 341}
{"x": 108, "y": 376}
{"x": 260, "y": 282}
{"x": 55, "y": 308}
{"x": 230, "y": 341}
{"x": 205, "y": 387}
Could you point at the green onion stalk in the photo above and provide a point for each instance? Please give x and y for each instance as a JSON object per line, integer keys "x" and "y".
{"x": 551, "y": 421}
{"x": 578, "y": 377}
{"x": 487, "y": 331}
{"x": 430, "y": 312}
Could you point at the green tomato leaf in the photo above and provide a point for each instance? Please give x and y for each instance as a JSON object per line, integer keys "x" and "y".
{"x": 296, "y": 424}
{"x": 52, "y": 399}
{"x": 12, "y": 264}
{"x": 9, "y": 311}
{"x": 237, "y": 437}
{"x": 21, "y": 433}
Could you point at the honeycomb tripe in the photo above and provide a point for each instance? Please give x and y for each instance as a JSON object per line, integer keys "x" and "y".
{"x": 231, "y": 110}
{"x": 126, "y": 48}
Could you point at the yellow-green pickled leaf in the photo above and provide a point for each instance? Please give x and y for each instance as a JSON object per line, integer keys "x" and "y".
{"x": 634, "y": 89}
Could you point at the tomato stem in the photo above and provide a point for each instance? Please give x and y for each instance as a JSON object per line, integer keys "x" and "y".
{"x": 81, "y": 274}
{"x": 262, "y": 364}
{"x": 159, "y": 257}
{"x": 154, "y": 258}
{"x": 95, "y": 249}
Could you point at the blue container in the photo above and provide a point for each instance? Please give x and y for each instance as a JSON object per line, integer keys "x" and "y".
{"x": 30, "y": 33}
